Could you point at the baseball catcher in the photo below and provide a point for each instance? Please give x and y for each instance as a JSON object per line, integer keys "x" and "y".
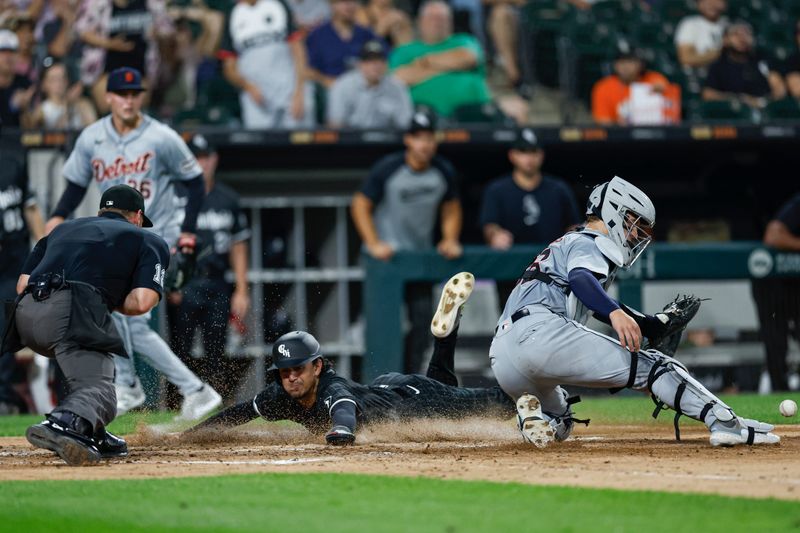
{"x": 306, "y": 389}
{"x": 541, "y": 341}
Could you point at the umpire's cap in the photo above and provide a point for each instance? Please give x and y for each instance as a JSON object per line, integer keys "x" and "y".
{"x": 125, "y": 198}
{"x": 294, "y": 349}
{"x": 124, "y": 79}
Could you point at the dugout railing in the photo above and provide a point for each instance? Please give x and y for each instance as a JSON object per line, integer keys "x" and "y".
{"x": 338, "y": 268}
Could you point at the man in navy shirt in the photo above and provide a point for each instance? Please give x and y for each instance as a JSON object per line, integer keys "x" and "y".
{"x": 778, "y": 299}
{"x": 334, "y": 47}
{"x": 526, "y": 206}
{"x": 70, "y": 283}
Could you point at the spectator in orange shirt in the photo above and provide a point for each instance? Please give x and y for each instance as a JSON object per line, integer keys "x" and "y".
{"x": 611, "y": 95}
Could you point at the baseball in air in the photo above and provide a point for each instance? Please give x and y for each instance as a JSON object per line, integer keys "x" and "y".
{"x": 788, "y": 408}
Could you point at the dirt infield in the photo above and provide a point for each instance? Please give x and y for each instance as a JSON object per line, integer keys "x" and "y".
{"x": 623, "y": 457}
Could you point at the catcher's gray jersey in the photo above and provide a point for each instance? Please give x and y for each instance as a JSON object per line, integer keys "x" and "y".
{"x": 573, "y": 250}
{"x": 150, "y": 159}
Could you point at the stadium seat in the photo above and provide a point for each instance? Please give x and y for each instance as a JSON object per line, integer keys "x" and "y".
{"x": 218, "y": 93}
{"x": 542, "y": 26}
{"x": 487, "y": 113}
{"x": 674, "y": 10}
{"x": 726, "y": 110}
{"x": 622, "y": 13}
{"x": 786, "y": 109}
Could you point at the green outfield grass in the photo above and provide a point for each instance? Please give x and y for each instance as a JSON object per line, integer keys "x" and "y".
{"x": 14, "y": 426}
{"x": 352, "y": 503}
{"x": 331, "y": 502}
{"x": 638, "y": 409}
{"x": 627, "y": 409}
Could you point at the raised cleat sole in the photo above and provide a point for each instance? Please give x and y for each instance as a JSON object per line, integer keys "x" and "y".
{"x": 456, "y": 291}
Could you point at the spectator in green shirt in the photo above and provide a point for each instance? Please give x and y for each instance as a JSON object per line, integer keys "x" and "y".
{"x": 443, "y": 70}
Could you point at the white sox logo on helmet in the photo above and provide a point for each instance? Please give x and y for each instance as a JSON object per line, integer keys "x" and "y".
{"x": 284, "y": 351}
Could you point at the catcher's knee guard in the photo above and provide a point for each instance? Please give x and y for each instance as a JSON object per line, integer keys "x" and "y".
{"x": 563, "y": 423}
{"x": 671, "y": 385}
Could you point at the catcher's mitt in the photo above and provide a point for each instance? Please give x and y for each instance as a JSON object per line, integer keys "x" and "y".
{"x": 675, "y": 316}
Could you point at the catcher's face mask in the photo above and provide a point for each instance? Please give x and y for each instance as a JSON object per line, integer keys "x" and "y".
{"x": 638, "y": 234}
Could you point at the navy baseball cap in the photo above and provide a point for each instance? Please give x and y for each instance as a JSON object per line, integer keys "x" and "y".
{"x": 200, "y": 146}
{"x": 124, "y": 79}
{"x": 372, "y": 49}
{"x": 526, "y": 141}
{"x": 125, "y": 198}
{"x": 422, "y": 120}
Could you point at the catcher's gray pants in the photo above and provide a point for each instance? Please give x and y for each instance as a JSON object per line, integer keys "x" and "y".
{"x": 141, "y": 339}
{"x": 542, "y": 351}
{"x": 89, "y": 373}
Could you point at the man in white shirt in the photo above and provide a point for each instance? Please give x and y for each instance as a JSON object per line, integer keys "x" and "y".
{"x": 698, "y": 38}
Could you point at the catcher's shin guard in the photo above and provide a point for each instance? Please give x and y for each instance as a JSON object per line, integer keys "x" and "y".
{"x": 672, "y": 386}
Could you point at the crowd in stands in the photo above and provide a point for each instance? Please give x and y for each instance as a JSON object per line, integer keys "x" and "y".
{"x": 305, "y": 63}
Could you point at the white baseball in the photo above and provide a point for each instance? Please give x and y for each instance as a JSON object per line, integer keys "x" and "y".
{"x": 788, "y": 408}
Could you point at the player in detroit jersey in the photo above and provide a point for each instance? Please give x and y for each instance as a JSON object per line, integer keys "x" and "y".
{"x": 128, "y": 147}
{"x": 541, "y": 342}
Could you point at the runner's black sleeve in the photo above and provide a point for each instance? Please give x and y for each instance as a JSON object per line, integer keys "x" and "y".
{"x": 343, "y": 413}
{"x": 232, "y": 416}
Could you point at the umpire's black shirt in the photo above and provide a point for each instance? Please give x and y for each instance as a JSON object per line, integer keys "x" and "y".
{"x": 107, "y": 252}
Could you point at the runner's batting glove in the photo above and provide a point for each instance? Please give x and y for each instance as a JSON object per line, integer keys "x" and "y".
{"x": 340, "y": 436}
{"x": 182, "y": 263}
{"x": 675, "y": 316}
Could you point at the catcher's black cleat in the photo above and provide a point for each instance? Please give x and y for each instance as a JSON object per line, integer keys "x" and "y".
{"x": 110, "y": 446}
{"x": 74, "y": 448}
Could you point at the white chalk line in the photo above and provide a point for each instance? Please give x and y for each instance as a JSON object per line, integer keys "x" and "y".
{"x": 274, "y": 462}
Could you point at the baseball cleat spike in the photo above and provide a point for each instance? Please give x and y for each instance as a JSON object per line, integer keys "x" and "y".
{"x": 455, "y": 293}
{"x": 531, "y": 423}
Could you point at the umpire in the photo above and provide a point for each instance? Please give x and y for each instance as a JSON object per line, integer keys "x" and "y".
{"x": 70, "y": 283}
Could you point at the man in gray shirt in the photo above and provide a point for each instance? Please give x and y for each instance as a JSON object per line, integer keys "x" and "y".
{"x": 366, "y": 97}
{"x": 396, "y": 209}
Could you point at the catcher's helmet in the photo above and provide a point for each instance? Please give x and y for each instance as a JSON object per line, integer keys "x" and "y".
{"x": 294, "y": 349}
{"x": 629, "y": 216}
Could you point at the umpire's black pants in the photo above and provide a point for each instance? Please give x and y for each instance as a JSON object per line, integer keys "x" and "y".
{"x": 43, "y": 326}
{"x": 778, "y": 305}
